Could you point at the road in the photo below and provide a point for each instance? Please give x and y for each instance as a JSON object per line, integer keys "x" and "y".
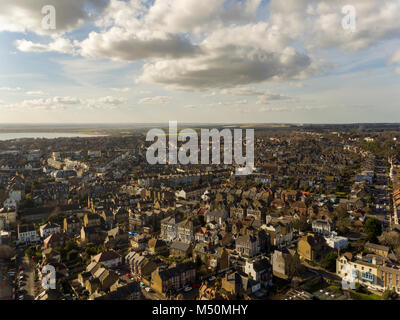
{"x": 324, "y": 273}
{"x": 29, "y": 272}
{"x": 381, "y": 194}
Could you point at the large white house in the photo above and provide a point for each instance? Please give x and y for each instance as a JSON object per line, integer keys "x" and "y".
{"x": 337, "y": 242}
{"x": 322, "y": 227}
{"x": 48, "y": 229}
{"x": 27, "y": 234}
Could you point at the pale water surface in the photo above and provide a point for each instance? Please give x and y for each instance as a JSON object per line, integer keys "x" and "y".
{"x": 46, "y": 135}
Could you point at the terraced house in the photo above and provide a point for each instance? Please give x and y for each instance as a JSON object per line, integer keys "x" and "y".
{"x": 164, "y": 279}
{"x": 371, "y": 271}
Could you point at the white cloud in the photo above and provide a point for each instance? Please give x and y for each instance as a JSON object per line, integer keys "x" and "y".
{"x": 144, "y": 92}
{"x": 35, "y": 93}
{"x": 243, "y": 91}
{"x": 155, "y": 100}
{"x": 267, "y": 97}
{"x": 9, "y": 89}
{"x": 227, "y": 67}
{"x": 112, "y": 100}
{"x": 126, "y": 45}
{"x": 228, "y": 103}
{"x": 179, "y": 16}
{"x": 62, "y": 103}
{"x": 318, "y": 23}
{"x": 60, "y": 45}
{"x": 228, "y": 55}
{"x": 26, "y": 15}
{"x": 121, "y": 89}
{"x": 67, "y": 100}
{"x": 273, "y": 109}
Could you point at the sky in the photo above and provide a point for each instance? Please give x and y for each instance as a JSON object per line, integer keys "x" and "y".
{"x": 225, "y": 61}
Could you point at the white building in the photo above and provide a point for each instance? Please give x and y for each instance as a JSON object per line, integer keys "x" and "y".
{"x": 337, "y": 242}
{"x": 322, "y": 227}
{"x": 10, "y": 203}
{"x": 180, "y": 194}
{"x": 48, "y": 229}
{"x": 108, "y": 259}
{"x": 94, "y": 154}
{"x": 27, "y": 234}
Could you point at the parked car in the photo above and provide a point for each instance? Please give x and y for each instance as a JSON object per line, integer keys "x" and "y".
{"x": 212, "y": 278}
{"x": 187, "y": 289}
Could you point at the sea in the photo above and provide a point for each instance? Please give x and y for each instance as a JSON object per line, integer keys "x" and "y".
{"x": 44, "y": 135}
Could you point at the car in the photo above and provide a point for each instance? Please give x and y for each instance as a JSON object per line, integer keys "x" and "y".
{"x": 187, "y": 289}
{"x": 212, "y": 278}
{"x": 148, "y": 289}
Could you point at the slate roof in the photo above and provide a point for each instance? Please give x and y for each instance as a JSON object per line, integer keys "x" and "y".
{"x": 177, "y": 245}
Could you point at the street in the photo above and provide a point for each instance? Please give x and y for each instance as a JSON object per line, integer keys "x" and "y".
{"x": 28, "y": 284}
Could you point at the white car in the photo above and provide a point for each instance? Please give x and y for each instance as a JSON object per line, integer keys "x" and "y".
{"x": 148, "y": 289}
{"x": 187, "y": 289}
{"x": 212, "y": 278}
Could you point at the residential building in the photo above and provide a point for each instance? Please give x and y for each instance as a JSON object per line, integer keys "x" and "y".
{"x": 48, "y": 229}
{"x": 164, "y": 279}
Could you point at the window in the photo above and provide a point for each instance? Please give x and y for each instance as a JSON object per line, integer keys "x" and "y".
{"x": 367, "y": 276}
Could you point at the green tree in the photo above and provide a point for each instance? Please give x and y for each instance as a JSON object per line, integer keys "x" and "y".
{"x": 301, "y": 224}
{"x": 329, "y": 261}
{"x": 373, "y": 229}
{"x": 389, "y": 295}
{"x": 198, "y": 261}
{"x": 72, "y": 255}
